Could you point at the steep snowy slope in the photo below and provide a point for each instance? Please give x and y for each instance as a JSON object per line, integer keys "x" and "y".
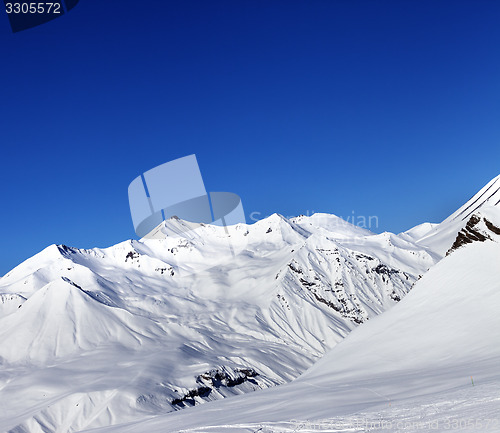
{"x": 489, "y": 195}
{"x": 95, "y": 337}
{"x": 481, "y": 225}
{"x": 438, "y": 238}
{"x": 61, "y": 318}
{"x": 433, "y": 358}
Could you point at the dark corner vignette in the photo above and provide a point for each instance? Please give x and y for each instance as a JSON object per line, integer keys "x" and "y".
{"x": 24, "y": 15}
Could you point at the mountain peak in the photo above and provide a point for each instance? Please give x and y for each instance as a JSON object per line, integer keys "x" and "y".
{"x": 332, "y": 224}
{"x": 489, "y": 195}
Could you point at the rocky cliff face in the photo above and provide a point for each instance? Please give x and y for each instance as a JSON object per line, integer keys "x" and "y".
{"x": 477, "y": 229}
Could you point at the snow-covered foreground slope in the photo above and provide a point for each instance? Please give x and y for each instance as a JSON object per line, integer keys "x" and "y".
{"x": 90, "y": 338}
{"x": 431, "y": 363}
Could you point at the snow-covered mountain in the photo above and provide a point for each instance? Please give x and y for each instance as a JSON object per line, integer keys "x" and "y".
{"x": 473, "y": 220}
{"x": 488, "y": 196}
{"x": 428, "y": 364}
{"x": 91, "y": 338}
{"x": 128, "y": 317}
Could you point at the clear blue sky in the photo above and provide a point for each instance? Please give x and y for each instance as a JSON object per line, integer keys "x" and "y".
{"x": 386, "y": 108}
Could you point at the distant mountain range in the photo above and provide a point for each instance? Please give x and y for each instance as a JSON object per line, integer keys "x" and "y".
{"x": 95, "y": 338}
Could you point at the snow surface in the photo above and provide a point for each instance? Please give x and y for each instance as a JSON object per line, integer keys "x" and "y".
{"x": 120, "y": 339}
{"x": 418, "y": 232}
{"x": 96, "y": 337}
{"x": 438, "y": 238}
{"x": 412, "y": 365}
{"x": 488, "y": 196}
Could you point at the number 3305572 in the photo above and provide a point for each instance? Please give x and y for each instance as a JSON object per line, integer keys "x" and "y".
{"x": 33, "y": 8}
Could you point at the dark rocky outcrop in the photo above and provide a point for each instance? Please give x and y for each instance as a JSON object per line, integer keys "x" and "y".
{"x": 473, "y": 233}
{"x": 213, "y": 380}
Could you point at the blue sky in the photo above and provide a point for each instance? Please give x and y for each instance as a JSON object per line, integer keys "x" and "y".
{"x": 383, "y": 108}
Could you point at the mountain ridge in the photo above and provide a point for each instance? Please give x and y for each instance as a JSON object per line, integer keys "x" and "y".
{"x": 293, "y": 292}
{"x": 190, "y": 320}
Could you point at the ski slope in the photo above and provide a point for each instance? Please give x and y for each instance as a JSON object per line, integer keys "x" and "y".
{"x": 412, "y": 366}
{"x": 96, "y": 337}
{"x": 173, "y": 333}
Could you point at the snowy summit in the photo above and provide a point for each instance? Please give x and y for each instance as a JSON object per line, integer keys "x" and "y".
{"x": 310, "y": 323}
